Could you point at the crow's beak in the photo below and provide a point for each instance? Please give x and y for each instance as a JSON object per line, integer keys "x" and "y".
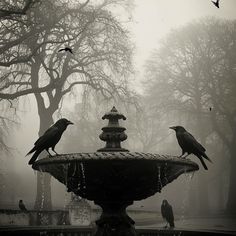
{"x": 172, "y": 127}
{"x": 70, "y": 123}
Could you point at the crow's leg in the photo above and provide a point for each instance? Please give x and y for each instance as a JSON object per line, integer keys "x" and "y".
{"x": 47, "y": 149}
{"x": 53, "y": 149}
{"x": 181, "y": 156}
{"x": 166, "y": 226}
{"x": 186, "y": 156}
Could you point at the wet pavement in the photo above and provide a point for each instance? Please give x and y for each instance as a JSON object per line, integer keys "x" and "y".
{"x": 200, "y": 224}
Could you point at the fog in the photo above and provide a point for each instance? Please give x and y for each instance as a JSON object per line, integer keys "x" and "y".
{"x": 159, "y": 92}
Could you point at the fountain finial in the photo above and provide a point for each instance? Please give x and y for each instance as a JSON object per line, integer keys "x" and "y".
{"x": 113, "y": 134}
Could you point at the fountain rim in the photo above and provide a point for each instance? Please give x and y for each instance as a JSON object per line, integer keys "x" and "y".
{"x": 114, "y": 156}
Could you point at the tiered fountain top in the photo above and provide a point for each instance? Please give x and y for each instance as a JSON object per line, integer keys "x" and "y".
{"x": 113, "y": 134}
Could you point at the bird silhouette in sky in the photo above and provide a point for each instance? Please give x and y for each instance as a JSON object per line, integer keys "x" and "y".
{"x": 216, "y": 3}
{"x": 49, "y": 139}
{"x": 22, "y": 206}
{"x": 190, "y": 145}
{"x": 66, "y": 49}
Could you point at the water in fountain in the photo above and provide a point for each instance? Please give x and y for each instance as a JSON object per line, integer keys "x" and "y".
{"x": 159, "y": 183}
{"x": 83, "y": 180}
{"x": 188, "y": 178}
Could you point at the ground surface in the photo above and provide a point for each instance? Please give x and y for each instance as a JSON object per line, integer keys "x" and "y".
{"x": 198, "y": 224}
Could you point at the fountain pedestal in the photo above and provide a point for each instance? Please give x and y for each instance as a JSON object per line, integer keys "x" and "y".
{"x": 114, "y": 220}
{"x": 113, "y": 177}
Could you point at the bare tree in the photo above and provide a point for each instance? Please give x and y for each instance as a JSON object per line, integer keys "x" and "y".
{"x": 101, "y": 59}
{"x": 192, "y": 73}
{"x": 19, "y": 8}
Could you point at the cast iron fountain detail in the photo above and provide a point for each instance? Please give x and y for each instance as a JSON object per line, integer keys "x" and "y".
{"x": 113, "y": 177}
{"x": 113, "y": 133}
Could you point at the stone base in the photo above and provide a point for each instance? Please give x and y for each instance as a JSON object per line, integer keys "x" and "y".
{"x": 114, "y": 220}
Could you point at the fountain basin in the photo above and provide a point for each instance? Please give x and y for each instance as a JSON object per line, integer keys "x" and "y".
{"x": 116, "y": 176}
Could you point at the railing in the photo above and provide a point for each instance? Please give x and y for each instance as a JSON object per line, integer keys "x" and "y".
{"x": 90, "y": 231}
{"x": 47, "y": 231}
{"x": 161, "y": 232}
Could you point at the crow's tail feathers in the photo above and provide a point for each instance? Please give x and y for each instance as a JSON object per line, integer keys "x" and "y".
{"x": 204, "y": 155}
{"x": 31, "y": 151}
{"x": 172, "y": 224}
{"x": 34, "y": 157}
{"x": 203, "y": 163}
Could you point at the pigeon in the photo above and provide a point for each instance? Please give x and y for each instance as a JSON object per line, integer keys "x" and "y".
{"x": 167, "y": 213}
{"x": 22, "y": 206}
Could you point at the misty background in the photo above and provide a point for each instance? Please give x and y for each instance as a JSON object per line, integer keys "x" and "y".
{"x": 160, "y": 62}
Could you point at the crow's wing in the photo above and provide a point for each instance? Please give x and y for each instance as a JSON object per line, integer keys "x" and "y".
{"x": 51, "y": 134}
{"x": 197, "y": 143}
{"x": 69, "y": 49}
{"x": 169, "y": 211}
{"x": 191, "y": 142}
{"x": 63, "y": 49}
{"x": 163, "y": 212}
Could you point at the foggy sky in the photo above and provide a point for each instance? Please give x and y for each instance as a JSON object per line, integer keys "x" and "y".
{"x": 153, "y": 19}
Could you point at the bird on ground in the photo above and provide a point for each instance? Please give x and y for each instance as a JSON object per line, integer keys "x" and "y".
{"x": 167, "y": 213}
{"x": 22, "y": 206}
{"x": 190, "y": 145}
{"x": 216, "y": 3}
{"x": 210, "y": 108}
{"x": 66, "y": 49}
{"x": 49, "y": 139}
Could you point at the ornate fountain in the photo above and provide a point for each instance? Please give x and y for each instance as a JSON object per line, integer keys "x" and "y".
{"x": 113, "y": 177}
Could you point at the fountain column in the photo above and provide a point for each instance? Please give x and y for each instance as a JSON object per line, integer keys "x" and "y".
{"x": 114, "y": 220}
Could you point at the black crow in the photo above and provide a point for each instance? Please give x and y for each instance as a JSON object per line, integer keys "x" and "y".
{"x": 67, "y": 49}
{"x": 216, "y": 3}
{"x": 167, "y": 213}
{"x": 210, "y": 108}
{"x": 190, "y": 145}
{"x": 22, "y": 206}
{"x": 49, "y": 139}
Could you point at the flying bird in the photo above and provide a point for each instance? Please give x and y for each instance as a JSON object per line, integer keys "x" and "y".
{"x": 190, "y": 145}
{"x": 216, "y": 3}
{"x": 22, "y": 206}
{"x": 49, "y": 139}
{"x": 167, "y": 213}
{"x": 66, "y": 49}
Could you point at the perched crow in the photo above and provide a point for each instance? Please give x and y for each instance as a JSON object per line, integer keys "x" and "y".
{"x": 67, "y": 49}
{"x": 167, "y": 213}
{"x": 49, "y": 139}
{"x": 190, "y": 145}
{"x": 22, "y": 206}
{"x": 216, "y": 3}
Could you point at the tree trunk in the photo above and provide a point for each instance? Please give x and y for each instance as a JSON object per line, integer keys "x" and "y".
{"x": 43, "y": 196}
{"x": 193, "y": 199}
{"x": 202, "y": 177}
{"x": 231, "y": 202}
{"x": 203, "y": 194}
{"x": 221, "y": 203}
